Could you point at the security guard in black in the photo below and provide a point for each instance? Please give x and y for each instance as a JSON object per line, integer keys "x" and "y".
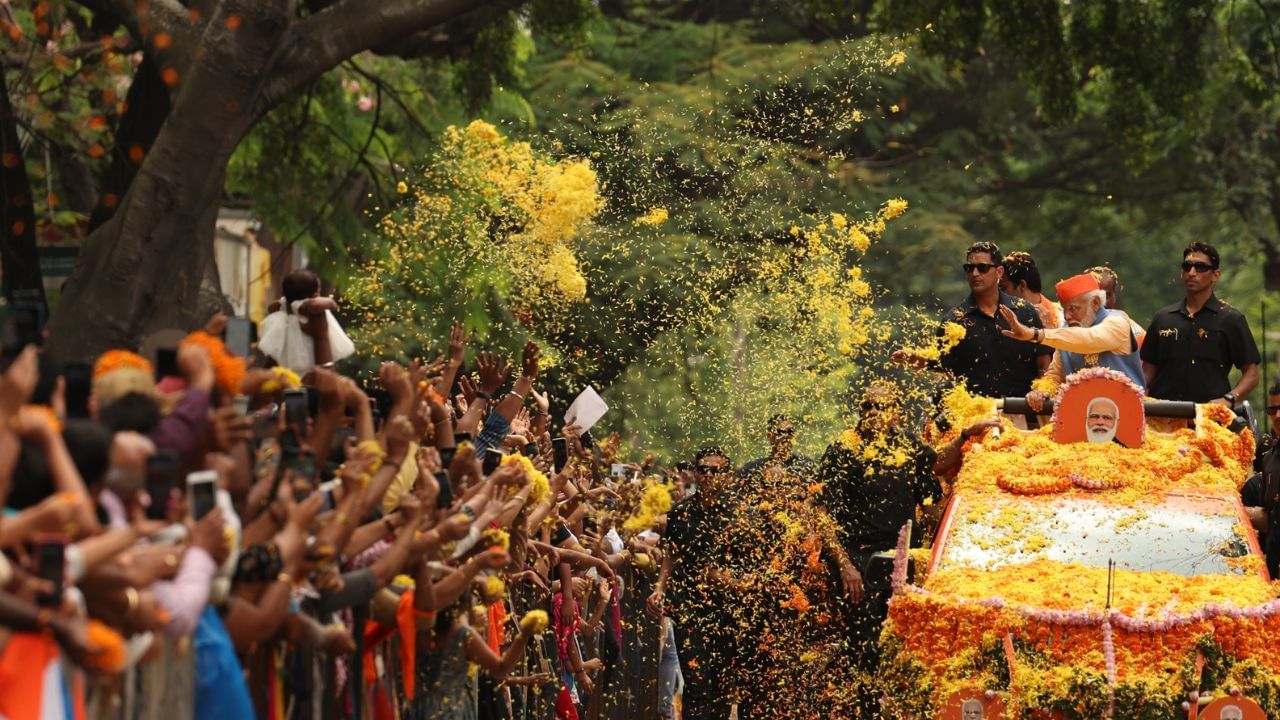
{"x": 991, "y": 364}
{"x": 1193, "y": 354}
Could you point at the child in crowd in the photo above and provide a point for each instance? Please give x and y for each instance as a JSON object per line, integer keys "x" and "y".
{"x": 304, "y": 319}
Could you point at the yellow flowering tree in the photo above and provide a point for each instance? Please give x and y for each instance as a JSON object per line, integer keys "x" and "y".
{"x": 489, "y": 231}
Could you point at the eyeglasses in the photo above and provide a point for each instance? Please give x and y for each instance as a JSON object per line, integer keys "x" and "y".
{"x": 1273, "y": 409}
{"x": 1198, "y": 266}
{"x": 872, "y": 405}
{"x": 713, "y": 469}
{"x": 982, "y": 268}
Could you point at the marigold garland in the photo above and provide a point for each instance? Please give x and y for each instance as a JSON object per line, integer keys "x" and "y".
{"x": 228, "y": 370}
{"x": 106, "y": 648}
{"x": 1072, "y": 652}
{"x": 49, "y": 415}
{"x": 282, "y": 378}
{"x": 534, "y": 622}
{"x": 654, "y": 503}
{"x": 539, "y": 485}
{"x": 112, "y": 360}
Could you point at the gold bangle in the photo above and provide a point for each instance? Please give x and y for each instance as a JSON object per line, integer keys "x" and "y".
{"x": 171, "y": 560}
{"x": 285, "y": 577}
{"x": 131, "y": 596}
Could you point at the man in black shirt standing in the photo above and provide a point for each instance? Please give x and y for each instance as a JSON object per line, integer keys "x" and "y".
{"x": 781, "y": 433}
{"x": 1192, "y": 345}
{"x": 871, "y": 490}
{"x": 696, "y": 547}
{"x": 991, "y": 364}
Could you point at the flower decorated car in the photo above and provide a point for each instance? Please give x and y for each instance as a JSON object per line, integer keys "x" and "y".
{"x": 1094, "y": 568}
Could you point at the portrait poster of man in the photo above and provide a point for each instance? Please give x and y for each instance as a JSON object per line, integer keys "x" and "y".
{"x": 973, "y": 703}
{"x": 1100, "y": 409}
{"x": 1233, "y": 708}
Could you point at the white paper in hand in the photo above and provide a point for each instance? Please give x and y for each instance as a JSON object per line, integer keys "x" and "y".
{"x": 586, "y": 410}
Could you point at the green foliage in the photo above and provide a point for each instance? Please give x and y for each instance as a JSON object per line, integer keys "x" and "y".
{"x": 64, "y": 82}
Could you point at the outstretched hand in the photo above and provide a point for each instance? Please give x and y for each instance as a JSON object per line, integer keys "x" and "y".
{"x": 493, "y": 371}
{"x": 1016, "y": 330}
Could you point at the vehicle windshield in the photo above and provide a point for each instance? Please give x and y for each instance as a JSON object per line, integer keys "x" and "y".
{"x": 1182, "y": 534}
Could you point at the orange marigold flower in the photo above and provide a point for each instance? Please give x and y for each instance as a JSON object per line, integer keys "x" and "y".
{"x": 107, "y": 648}
{"x": 227, "y": 368}
{"x": 113, "y": 360}
{"x": 49, "y": 414}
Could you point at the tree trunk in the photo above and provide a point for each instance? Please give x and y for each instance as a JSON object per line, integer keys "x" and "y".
{"x": 19, "y": 258}
{"x": 146, "y": 107}
{"x": 144, "y": 268}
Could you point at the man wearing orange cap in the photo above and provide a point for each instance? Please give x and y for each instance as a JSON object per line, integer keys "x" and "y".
{"x": 1094, "y": 336}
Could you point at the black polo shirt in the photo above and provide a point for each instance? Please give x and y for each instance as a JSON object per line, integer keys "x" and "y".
{"x": 871, "y": 500}
{"x": 698, "y": 536}
{"x": 1193, "y": 355}
{"x": 991, "y": 364}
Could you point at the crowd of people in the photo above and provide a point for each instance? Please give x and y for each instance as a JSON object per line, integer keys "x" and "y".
{"x": 191, "y": 533}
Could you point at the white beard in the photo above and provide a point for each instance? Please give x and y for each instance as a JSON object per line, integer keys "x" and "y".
{"x": 1101, "y": 436}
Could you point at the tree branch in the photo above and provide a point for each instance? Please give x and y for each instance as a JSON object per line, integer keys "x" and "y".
{"x": 320, "y": 42}
{"x": 145, "y": 21}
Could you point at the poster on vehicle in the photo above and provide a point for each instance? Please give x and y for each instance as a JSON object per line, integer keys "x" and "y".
{"x": 973, "y": 703}
{"x": 1099, "y": 406}
{"x": 1233, "y": 708}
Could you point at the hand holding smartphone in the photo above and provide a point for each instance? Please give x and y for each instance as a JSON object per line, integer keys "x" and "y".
{"x": 296, "y": 411}
{"x": 202, "y": 492}
{"x": 560, "y": 452}
{"x": 51, "y": 566}
{"x": 492, "y": 459}
{"x": 162, "y": 478}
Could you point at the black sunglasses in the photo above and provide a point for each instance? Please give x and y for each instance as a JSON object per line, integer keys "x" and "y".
{"x": 982, "y": 268}
{"x": 1273, "y": 409}
{"x": 1199, "y": 267}
{"x": 869, "y": 404}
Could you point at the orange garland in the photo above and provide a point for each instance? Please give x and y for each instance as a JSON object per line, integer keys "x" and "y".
{"x": 106, "y": 648}
{"x": 112, "y": 360}
{"x": 948, "y": 633}
{"x": 227, "y": 368}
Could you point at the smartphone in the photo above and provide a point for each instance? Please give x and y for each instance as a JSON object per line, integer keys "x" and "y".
{"x": 303, "y": 464}
{"x": 618, "y": 470}
{"x": 295, "y": 410}
{"x": 241, "y": 404}
{"x": 162, "y": 478}
{"x": 50, "y": 566}
{"x": 330, "y": 502}
{"x": 531, "y": 450}
{"x": 492, "y": 458}
{"x": 19, "y": 327}
{"x": 445, "y": 498}
{"x": 461, "y": 437}
{"x": 236, "y": 337}
{"x": 78, "y": 379}
{"x": 587, "y": 441}
{"x": 202, "y": 492}
{"x": 560, "y": 453}
{"x": 446, "y": 456}
{"x": 265, "y": 421}
{"x": 167, "y": 363}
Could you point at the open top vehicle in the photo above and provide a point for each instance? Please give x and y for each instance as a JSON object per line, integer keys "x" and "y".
{"x": 1091, "y": 575}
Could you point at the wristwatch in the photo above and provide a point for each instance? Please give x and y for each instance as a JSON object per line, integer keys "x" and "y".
{"x": 1231, "y": 398}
